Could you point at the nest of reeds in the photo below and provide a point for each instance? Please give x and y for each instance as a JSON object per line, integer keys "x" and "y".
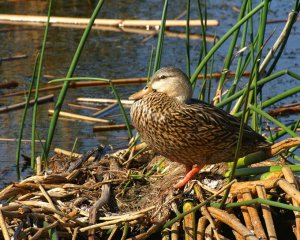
{"x": 112, "y": 196}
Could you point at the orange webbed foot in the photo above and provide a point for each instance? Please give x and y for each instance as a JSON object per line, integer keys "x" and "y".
{"x": 190, "y": 174}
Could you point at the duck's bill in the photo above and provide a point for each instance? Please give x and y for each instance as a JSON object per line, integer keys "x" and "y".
{"x": 140, "y": 94}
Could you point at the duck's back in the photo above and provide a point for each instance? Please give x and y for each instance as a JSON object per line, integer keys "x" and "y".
{"x": 191, "y": 133}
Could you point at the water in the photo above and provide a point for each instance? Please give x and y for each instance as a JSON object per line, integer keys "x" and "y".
{"x": 111, "y": 55}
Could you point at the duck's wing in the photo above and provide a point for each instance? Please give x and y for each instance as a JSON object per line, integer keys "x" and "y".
{"x": 211, "y": 126}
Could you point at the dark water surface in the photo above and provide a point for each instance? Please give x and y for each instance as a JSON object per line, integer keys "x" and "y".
{"x": 110, "y": 55}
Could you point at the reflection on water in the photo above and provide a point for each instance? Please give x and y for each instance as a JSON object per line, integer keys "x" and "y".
{"x": 106, "y": 54}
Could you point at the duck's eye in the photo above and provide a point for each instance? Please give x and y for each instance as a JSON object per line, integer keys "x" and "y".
{"x": 163, "y": 77}
{"x": 146, "y": 87}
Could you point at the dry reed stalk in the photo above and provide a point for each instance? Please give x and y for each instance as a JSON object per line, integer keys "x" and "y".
{"x": 104, "y": 110}
{"x": 40, "y": 231}
{"x": 237, "y": 235}
{"x": 112, "y": 222}
{"x": 280, "y": 147}
{"x": 175, "y": 231}
{"x": 232, "y": 221}
{"x": 284, "y": 110}
{"x": 23, "y": 140}
{"x": 205, "y": 212}
{"x": 75, "y": 233}
{"x": 105, "y": 194}
{"x": 201, "y": 226}
{"x": 104, "y": 100}
{"x": 245, "y": 213}
{"x": 3, "y": 226}
{"x": 154, "y": 228}
{"x": 39, "y": 166}
{"x": 67, "y": 153}
{"x": 48, "y": 198}
{"x": 121, "y": 81}
{"x": 289, "y": 176}
{"x": 83, "y": 107}
{"x": 251, "y": 185}
{"x": 254, "y": 216}
{"x": 113, "y": 233}
{"x": 103, "y": 22}
{"x": 189, "y": 221}
{"x": 145, "y": 210}
{"x": 16, "y": 106}
{"x": 79, "y": 117}
{"x": 289, "y": 189}
{"x": 115, "y": 127}
{"x": 266, "y": 209}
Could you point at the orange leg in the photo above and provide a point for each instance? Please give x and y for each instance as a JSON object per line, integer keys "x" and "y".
{"x": 190, "y": 174}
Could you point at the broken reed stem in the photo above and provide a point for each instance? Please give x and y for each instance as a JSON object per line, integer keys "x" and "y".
{"x": 245, "y": 213}
{"x": 232, "y": 221}
{"x": 261, "y": 192}
{"x": 255, "y": 220}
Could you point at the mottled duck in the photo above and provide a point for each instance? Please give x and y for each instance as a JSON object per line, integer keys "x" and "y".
{"x": 187, "y": 130}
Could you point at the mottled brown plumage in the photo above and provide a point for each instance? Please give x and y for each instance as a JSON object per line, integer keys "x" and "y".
{"x": 186, "y": 130}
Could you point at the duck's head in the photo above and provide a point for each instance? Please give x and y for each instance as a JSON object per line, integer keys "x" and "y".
{"x": 169, "y": 80}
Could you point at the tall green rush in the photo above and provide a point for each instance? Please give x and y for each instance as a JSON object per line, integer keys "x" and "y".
{"x": 24, "y": 116}
{"x": 71, "y": 70}
{"x": 37, "y": 86}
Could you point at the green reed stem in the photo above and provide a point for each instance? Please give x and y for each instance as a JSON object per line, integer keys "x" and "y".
{"x": 260, "y": 83}
{"x": 187, "y": 40}
{"x": 37, "y": 86}
{"x": 18, "y": 152}
{"x": 122, "y": 110}
{"x": 228, "y": 59}
{"x": 222, "y": 40}
{"x": 161, "y": 37}
{"x": 260, "y": 170}
{"x": 258, "y": 201}
{"x": 267, "y": 116}
{"x": 71, "y": 70}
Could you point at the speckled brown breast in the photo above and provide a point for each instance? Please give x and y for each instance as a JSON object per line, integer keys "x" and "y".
{"x": 193, "y": 133}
